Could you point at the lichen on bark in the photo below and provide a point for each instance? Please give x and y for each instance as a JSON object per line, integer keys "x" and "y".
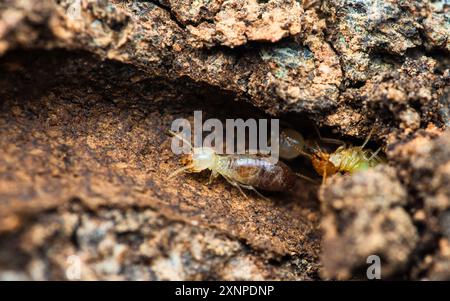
{"x": 89, "y": 87}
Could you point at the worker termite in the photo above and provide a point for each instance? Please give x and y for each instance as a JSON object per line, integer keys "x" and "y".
{"x": 242, "y": 171}
{"x": 343, "y": 159}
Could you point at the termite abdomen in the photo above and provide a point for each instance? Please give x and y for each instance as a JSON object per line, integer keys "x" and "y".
{"x": 258, "y": 172}
{"x": 277, "y": 177}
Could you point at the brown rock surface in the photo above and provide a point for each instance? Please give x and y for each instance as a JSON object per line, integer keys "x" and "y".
{"x": 88, "y": 89}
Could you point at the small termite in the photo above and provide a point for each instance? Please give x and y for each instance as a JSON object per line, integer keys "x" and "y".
{"x": 242, "y": 171}
{"x": 292, "y": 144}
{"x": 343, "y": 159}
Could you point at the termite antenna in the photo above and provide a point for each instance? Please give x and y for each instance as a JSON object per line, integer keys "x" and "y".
{"x": 301, "y": 152}
{"x": 319, "y": 149}
{"x": 178, "y": 171}
{"x": 178, "y": 136}
{"x": 367, "y": 138}
{"x": 328, "y": 140}
{"x": 313, "y": 149}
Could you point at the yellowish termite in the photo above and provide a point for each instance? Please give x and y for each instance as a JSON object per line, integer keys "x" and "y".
{"x": 346, "y": 158}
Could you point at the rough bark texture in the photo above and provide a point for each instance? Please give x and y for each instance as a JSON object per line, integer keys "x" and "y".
{"x": 89, "y": 88}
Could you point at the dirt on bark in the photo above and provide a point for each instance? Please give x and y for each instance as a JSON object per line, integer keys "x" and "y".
{"x": 89, "y": 88}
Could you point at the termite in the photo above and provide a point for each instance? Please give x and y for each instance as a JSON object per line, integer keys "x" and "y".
{"x": 246, "y": 171}
{"x": 343, "y": 159}
{"x": 292, "y": 144}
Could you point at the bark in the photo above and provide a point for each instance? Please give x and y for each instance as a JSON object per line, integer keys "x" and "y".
{"x": 89, "y": 89}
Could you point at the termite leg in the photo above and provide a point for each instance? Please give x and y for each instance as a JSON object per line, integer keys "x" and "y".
{"x": 255, "y": 190}
{"x": 212, "y": 176}
{"x": 235, "y": 184}
{"x": 240, "y": 186}
{"x": 242, "y": 191}
{"x": 374, "y": 155}
{"x": 324, "y": 179}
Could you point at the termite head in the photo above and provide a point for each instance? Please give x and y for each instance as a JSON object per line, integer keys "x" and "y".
{"x": 292, "y": 144}
{"x": 322, "y": 164}
{"x": 200, "y": 159}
